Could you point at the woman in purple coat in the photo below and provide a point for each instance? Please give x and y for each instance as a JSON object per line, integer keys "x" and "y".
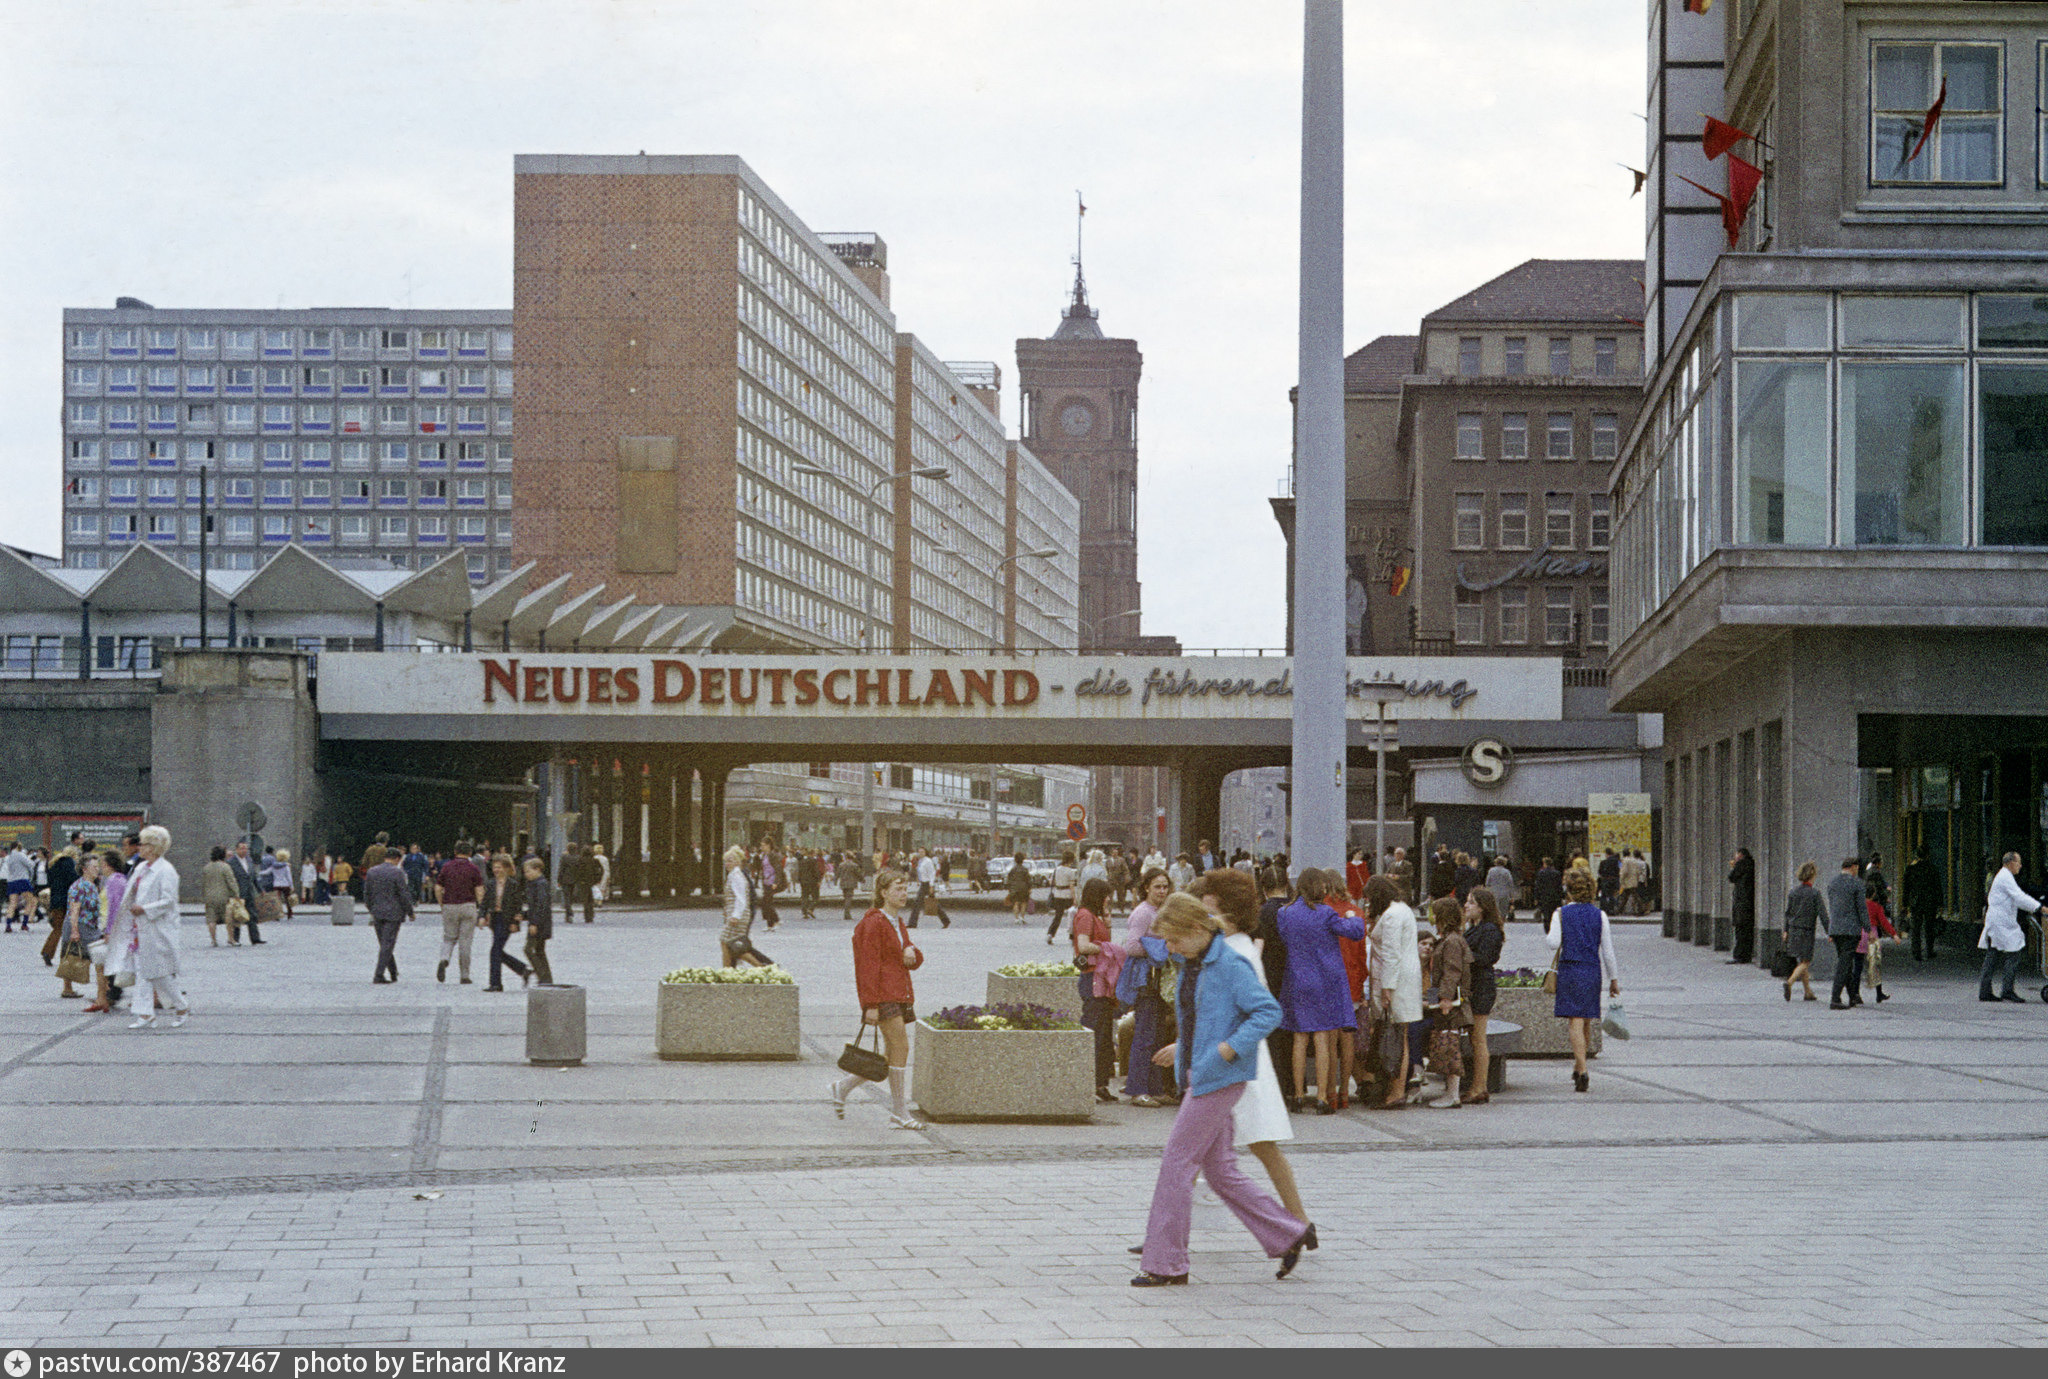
{"x": 1315, "y": 994}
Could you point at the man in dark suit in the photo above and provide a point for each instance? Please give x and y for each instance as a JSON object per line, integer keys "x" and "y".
{"x": 388, "y": 897}
{"x": 810, "y": 874}
{"x": 245, "y": 869}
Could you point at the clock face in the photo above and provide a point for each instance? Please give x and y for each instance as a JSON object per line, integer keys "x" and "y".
{"x": 1077, "y": 419}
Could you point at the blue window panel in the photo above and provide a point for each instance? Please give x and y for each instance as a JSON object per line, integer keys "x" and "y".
{"x": 131, "y": 463}
{"x": 120, "y": 426}
{"x": 433, "y": 354}
{"x": 317, "y": 427}
{"x": 199, "y": 390}
{"x": 433, "y": 540}
{"x": 119, "y": 501}
{"x": 165, "y": 536}
{"x": 433, "y": 502}
{"x": 355, "y": 502}
{"x": 163, "y": 390}
{"x": 471, "y": 428}
{"x": 322, "y": 465}
{"x": 472, "y": 464}
{"x": 278, "y": 464}
{"x": 313, "y": 502}
{"x": 315, "y": 352}
{"x": 122, "y": 352}
{"x": 355, "y": 389}
{"x": 472, "y": 540}
{"x": 273, "y": 540}
{"x": 162, "y": 464}
{"x": 277, "y": 354}
{"x": 123, "y": 389}
{"x": 239, "y": 390}
{"x": 316, "y": 390}
{"x": 239, "y": 502}
{"x": 394, "y": 390}
{"x": 316, "y": 538}
{"x": 474, "y": 354}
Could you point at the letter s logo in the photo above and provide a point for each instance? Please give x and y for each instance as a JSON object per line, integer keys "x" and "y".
{"x": 1488, "y": 762}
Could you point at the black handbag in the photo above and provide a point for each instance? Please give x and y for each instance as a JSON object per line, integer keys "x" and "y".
{"x": 865, "y": 1062}
{"x": 1782, "y": 965}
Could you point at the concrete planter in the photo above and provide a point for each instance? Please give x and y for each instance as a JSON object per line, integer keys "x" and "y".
{"x": 1543, "y": 1034}
{"x": 1007, "y": 1075}
{"x": 719, "y": 1020}
{"x": 1055, "y": 993}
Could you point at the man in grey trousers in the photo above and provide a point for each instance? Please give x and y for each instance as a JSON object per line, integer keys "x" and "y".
{"x": 387, "y": 894}
{"x": 1847, "y": 918}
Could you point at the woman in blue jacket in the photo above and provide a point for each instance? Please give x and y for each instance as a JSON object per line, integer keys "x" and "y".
{"x": 1225, "y": 1010}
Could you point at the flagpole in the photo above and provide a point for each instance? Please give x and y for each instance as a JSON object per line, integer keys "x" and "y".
{"x": 1317, "y": 778}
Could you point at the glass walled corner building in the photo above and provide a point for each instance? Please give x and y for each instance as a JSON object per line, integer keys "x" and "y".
{"x": 1831, "y": 540}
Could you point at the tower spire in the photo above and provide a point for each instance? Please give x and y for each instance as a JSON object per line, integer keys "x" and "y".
{"x": 1079, "y": 319}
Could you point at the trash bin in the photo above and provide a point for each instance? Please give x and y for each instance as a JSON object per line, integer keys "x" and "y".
{"x": 554, "y": 1025}
{"x": 342, "y": 909}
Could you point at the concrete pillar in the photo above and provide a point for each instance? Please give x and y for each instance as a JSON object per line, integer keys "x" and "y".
{"x": 627, "y": 866}
{"x": 228, "y": 728}
{"x": 1201, "y": 803}
{"x": 661, "y": 828}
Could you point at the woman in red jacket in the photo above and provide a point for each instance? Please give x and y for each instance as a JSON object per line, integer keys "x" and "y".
{"x": 883, "y": 959}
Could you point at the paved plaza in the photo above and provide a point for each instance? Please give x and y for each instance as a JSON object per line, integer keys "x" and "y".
{"x": 317, "y": 1160}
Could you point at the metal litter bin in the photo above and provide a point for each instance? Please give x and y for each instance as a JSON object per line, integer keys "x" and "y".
{"x": 555, "y": 1027}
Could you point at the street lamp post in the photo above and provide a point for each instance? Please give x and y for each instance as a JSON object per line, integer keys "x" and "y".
{"x": 1319, "y": 667}
{"x": 867, "y": 610}
{"x": 995, "y": 642}
{"x": 1095, "y": 625}
{"x": 1381, "y": 698}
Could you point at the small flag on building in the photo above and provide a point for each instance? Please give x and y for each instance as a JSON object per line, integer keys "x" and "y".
{"x": 1698, "y": 6}
{"x": 1398, "y": 584}
{"x": 1721, "y": 136}
{"x": 1927, "y": 125}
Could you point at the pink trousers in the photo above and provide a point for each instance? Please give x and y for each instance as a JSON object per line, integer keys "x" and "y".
{"x": 1200, "y": 1142}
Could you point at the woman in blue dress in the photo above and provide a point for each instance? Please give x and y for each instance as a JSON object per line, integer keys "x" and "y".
{"x": 1585, "y": 945}
{"x": 1315, "y": 992}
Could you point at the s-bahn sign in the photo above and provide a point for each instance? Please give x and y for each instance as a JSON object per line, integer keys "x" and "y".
{"x": 996, "y": 688}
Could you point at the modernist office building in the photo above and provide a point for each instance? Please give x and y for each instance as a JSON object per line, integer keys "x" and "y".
{"x": 1831, "y": 539}
{"x": 1477, "y": 460}
{"x": 385, "y": 435}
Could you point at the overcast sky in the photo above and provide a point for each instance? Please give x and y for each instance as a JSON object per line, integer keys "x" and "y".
{"x": 295, "y": 153}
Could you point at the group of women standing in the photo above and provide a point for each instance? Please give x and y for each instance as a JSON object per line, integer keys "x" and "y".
{"x": 123, "y": 914}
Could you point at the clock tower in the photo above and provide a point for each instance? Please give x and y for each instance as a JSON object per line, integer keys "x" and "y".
{"x": 1080, "y": 416}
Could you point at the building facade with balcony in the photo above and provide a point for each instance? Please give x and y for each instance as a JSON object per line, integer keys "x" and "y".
{"x": 1831, "y": 521}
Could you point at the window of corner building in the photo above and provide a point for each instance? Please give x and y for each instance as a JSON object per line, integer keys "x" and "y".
{"x": 1781, "y": 453}
{"x": 1605, "y": 355}
{"x": 1596, "y": 615}
{"x": 1514, "y": 613}
{"x": 1514, "y": 521}
{"x": 1470, "y": 445}
{"x": 1782, "y": 321}
{"x": 1557, "y": 615}
{"x": 1516, "y": 356}
{"x": 1558, "y": 437}
{"x": 1560, "y": 523}
{"x": 1902, "y": 322}
{"x": 1903, "y": 466}
{"x": 1561, "y": 356}
{"x": 1468, "y": 525}
{"x": 1468, "y": 626}
{"x": 1468, "y": 355}
{"x": 2012, "y": 322}
{"x": 2012, "y": 402}
{"x": 1514, "y": 435}
{"x": 1599, "y": 521}
{"x": 1967, "y": 142}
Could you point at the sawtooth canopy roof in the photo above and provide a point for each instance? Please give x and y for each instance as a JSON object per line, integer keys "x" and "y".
{"x": 296, "y": 581}
{"x": 1380, "y": 366}
{"x": 1605, "y": 291}
{"x": 27, "y": 588}
{"x": 495, "y": 602}
{"x": 148, "y": 581}
{"x": 441, "y": 590}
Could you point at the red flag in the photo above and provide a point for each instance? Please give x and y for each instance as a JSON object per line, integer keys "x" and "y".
{"x": 1743, "y": 180}
{"x": 1927, "y": 128}
{"x": 1731, "y": 218}
{"x": 1399, "y": 582}
{"x": 1698, "y": 6}
{"x": 1720, "y": 137}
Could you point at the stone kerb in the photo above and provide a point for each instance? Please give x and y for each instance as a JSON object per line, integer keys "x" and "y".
{"x": 710, "y": 1021}
{"x": 1003, "y": 1075}
{"x": 1062, "y": 994}
{"x": 1543, "y": 1034}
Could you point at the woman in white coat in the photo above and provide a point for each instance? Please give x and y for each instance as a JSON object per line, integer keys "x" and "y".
{"x": 1396, "y": 969}
{"x": 151, "y": 901}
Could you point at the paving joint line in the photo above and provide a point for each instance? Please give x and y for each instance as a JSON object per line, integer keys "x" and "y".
{"x": 30, "y": 1053}
{"x": 426, "y": 1135}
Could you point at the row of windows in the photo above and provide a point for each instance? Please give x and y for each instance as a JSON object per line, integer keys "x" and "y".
{"x": 482, "y": 567}
{"x": 278, "y": 378}
{"x": 1559, "y": 436}
{"x": 84, "y": 453}
{"x": 1512, "y": 611}
{"x": 783, "y": 602}
{"x": 820, "y": 277}
{"x": 313, "y": 341}
{"x": 1515, "y": 356}
{"x": 87, "y": 489}
{"x": 85, "y": 526}
{"x": 1513, "y": 516}
{"x": 387, "y": 417}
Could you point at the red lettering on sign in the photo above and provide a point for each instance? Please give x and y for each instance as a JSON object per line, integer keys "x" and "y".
{"x": 903, "y": 694}
{"x": 975, "y": 682}
{"x": 574, "y": 692}
{"x": 711, "y": 686}
{"x": 753, "y": 686}
{"x": 940, "y": 691}
{"x": 830, "y": 678}
{"x": 686, "y": 682}
{"x": 536, "y": 685}
{"x": 1020, "y": 687}
{"x": 806, "y": 682}
{"x": 600, "y": 685}
{"x": 871, "y": 681}
{"x": 626, "y": 684}
{"x": 504, "y": 677}
{"x": 776, "y": 675}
